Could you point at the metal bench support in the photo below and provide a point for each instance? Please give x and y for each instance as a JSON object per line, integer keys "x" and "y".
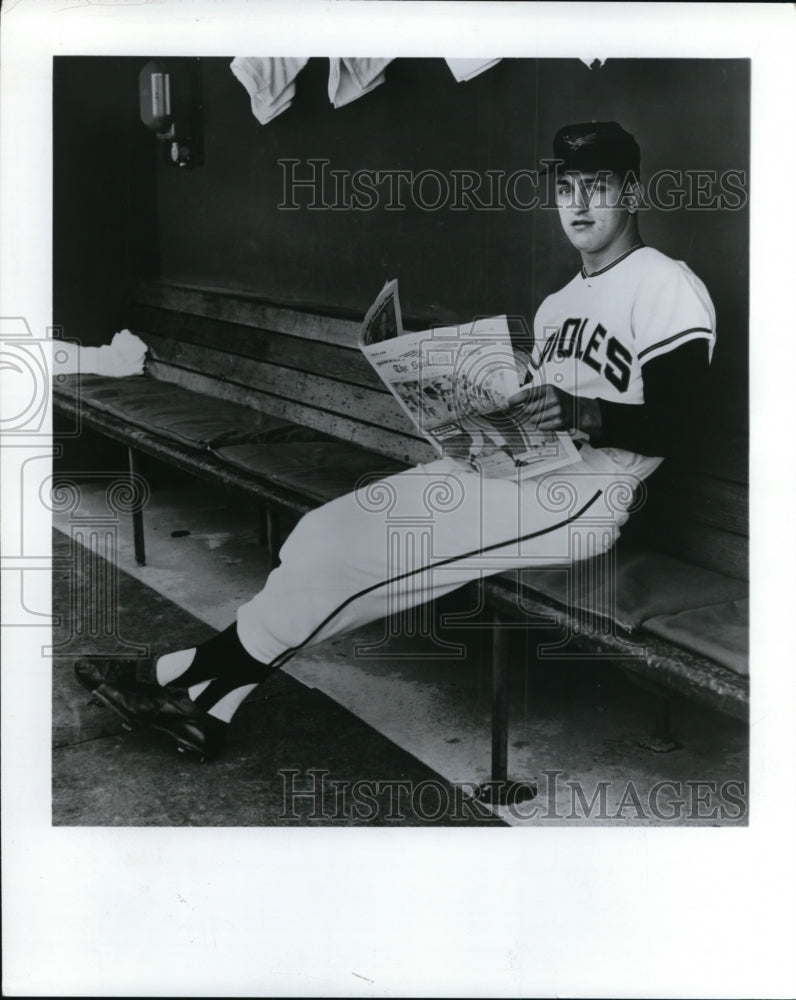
{"x": 138, "y": 513}
{"x": 272, "y": 528}
{"x": 500, "y": 719}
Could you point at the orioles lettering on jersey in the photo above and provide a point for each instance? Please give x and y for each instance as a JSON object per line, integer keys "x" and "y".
{"x": 590, "y": 343}
{"x": 593, "y": 336}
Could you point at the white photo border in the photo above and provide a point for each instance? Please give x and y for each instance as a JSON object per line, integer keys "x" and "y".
{"x": 245, "y": 912}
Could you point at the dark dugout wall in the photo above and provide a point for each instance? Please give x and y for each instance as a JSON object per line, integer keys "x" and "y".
{"x": 222, "y": 225}
{"x": 104, "y": 195}
{"x": 121, "y": 212}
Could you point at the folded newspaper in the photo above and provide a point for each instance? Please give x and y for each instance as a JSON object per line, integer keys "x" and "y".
{"x": 455, "y": 383}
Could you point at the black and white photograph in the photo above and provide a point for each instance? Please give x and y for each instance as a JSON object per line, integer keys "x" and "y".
{"x": 275, "y": 633}
{"x": 267, "y": 568}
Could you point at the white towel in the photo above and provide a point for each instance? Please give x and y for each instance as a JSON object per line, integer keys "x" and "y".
{"x": 350, "y": 78}
{"x": 365, "y": 71}
{"x": 122, "y": 357}
{"x": 269, "y": 83}
{"x": 466, "y": 69}
{"x": 265, "y": 110}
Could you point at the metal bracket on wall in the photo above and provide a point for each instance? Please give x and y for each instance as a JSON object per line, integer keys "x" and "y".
{"x": 170, "y": 98}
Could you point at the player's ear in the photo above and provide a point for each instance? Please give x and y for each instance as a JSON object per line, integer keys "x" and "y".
{"x": 631, "y": 195}
{"x": 635, "y": 199}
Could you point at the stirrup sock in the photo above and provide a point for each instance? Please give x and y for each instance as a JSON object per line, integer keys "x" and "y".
{"x": 218, "y": 657}
{"x": 221, "y": 686}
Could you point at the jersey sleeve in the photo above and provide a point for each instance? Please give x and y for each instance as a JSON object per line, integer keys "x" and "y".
{"x": 671, "y": 308}
{"x": 664, "y": 424}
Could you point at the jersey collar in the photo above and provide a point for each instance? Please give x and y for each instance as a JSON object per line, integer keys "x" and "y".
{"x": 602, "y": 270}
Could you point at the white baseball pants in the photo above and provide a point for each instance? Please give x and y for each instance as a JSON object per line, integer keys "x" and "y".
{"x": 415, "y": 536}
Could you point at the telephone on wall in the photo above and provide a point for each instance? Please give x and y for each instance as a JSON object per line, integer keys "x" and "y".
{"x": 170, "y": 105}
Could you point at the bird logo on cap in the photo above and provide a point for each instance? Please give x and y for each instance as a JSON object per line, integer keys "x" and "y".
{"x": 580, "y": 140}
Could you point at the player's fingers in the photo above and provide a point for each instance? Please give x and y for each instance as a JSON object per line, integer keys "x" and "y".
{"x": 552, "y": 418}
{"x": 538, "y": 399}
{"x": 537, "y": 392}
{"x": 549, "y": 406}
{"x": 520, "y": 397}
{"x": 543, "y": 409}
{"x": 551, "y": 425}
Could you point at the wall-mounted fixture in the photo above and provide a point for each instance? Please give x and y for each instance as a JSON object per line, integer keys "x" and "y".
{"x": 170, "y": 102}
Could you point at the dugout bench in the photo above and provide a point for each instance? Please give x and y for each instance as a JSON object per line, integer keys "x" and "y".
{"x": 277, "y": 404}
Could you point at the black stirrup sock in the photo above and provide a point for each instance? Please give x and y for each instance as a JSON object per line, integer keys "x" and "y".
{"x": 222, "y": 686}
{"x": 218, "y": 657}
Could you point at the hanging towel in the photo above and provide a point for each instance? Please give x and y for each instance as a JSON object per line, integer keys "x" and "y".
{"x": 365, "y": 71}
{"x": 466, "y": 69}
{"x": 350, "y": 78}
{"x": 269, "y": 82}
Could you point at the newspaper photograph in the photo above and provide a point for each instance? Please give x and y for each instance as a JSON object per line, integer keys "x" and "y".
{"x": 456, "y": 384}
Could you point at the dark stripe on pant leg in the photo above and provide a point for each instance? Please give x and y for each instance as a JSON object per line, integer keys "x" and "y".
{"x": 221, "y": 686}
{"x": 284, "y": 656}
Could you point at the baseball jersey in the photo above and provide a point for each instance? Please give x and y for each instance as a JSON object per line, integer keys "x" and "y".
{"x": 594, "y": 336}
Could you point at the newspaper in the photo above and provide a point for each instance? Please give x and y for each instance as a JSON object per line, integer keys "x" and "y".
{"x": 455, "y": 383}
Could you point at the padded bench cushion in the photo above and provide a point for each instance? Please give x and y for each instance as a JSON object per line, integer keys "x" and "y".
{"x": 322, "y": 470}
{"x": 719, "y": 631}
{"x": 647, "y": 585}
{"x": 194, "y": 419}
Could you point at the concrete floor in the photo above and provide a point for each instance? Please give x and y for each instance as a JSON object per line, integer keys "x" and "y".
{"x": 575, "y": 728}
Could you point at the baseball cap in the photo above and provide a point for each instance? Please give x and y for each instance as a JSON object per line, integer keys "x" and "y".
{"x": 592, "y": 146}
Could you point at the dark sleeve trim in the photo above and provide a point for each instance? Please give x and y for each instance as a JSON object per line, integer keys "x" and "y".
{"x": 674, "y": 404}
{"x": 674, "y": 337}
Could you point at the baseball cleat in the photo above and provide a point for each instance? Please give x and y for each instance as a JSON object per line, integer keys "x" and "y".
{"x": 169, "y": 711}
{"x": 120, "y": 673}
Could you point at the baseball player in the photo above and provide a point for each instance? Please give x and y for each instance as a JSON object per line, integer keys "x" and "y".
{"x": 617, "y": 355}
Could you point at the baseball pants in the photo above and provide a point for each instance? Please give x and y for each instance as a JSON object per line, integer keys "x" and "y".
{"x": 404, "y": 540}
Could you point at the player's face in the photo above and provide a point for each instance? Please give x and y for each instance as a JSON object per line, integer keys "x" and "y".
{"x": 594, "y": 213}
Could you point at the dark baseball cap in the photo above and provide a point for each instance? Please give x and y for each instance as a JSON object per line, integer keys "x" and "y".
{"x": 592, "y": 146}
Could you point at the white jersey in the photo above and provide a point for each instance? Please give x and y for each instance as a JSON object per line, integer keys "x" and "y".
{"x": 593, "y": 337}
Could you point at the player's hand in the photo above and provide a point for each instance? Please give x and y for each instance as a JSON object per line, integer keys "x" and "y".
{"x": 551, "y": 409}
{"x": 546, "y": 407}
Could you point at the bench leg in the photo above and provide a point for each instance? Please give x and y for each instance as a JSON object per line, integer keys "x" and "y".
{"x": 270, "y": 528}
{"x": 498, "y": 791}
{"x": 138, "y": 513}
{"x": 661, "y": 740}
{"x": 500, "y": 717}
{"x": 269, "y": 532}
